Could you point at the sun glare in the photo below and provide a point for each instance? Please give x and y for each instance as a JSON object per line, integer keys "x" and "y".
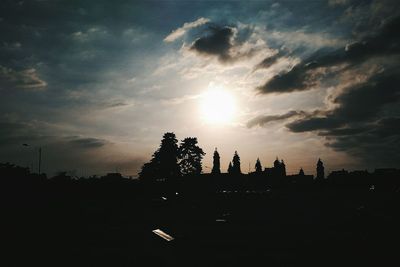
{"x": 217, "y": 106}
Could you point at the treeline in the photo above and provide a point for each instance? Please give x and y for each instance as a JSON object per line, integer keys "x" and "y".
{"x": 171, "y": 160}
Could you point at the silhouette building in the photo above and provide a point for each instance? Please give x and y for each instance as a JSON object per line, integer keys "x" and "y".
{"x": 258, "y": 166}
{"x": 320, "y": 170}
{"x": 301, "y": 178}
{"x": 279, "y": 169}
{"x": 216, "y": 163}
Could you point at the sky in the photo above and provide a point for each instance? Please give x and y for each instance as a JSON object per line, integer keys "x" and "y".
{"x": 95, "y": 84}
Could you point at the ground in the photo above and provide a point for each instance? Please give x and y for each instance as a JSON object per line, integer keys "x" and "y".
{"x": 312, "y": 225}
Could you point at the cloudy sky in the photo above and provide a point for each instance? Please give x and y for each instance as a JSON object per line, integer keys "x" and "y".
{"x": 97, "y": 83}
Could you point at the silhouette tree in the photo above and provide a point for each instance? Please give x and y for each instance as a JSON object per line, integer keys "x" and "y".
{"x": 148, "y": 171}
{"x": 236, "y": 164}
{"x": 190, "y": 155}
{"x": 216, "y": 164}
{"x": 258, "y": 166}
{"x": 164, "y": 162}
{"x": 230, "y": 168}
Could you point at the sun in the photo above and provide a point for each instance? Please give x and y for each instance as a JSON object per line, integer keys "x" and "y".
{"x": 217, "y": 106}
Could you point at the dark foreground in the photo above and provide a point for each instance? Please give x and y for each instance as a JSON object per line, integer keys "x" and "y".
{"x": 73, "y": 224}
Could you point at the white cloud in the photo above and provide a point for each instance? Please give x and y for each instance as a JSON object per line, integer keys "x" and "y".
{"x": 337, "y": 2}
{"x": 93, "y": 33}
{"x": 180, "y": 100}
{"x": 175, "y": 34}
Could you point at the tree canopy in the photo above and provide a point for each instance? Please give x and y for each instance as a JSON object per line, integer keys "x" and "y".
{"x": 236, "y": 164}
{"x": 230, "y": 168}
{"x": 216, "y": 163}
{"x": 190, "y": 155}
{"x": 164, "y": 162}
{"x": 170, "y": 161}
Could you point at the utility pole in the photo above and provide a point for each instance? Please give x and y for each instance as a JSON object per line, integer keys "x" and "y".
{"x": 40, "y": 158}
{"x": 28, "y": 162}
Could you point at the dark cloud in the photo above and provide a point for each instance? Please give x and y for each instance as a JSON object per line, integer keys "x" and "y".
{"x": 361, "y": 119}
{"x": 262, "y": 120}
{"x": 15, "y": 133}
{"x": 357, "y": 124}
{"x": 290, "y": 81}
{"x": 357, "y": 104}
{"x": 305, "y": 75}
{"x": 227, "y": 43}
{"x": 343, "y": 131}
{"x": 312, "y": 124}
{"x": 361, "y": 123}
{"x": 217, "y": 42}
{"x": 115, "y": 104}
{"x": 25, "y": 79}
{"x": 364, "y": 101}
{"x": 377, "y": 144}
{"x": 70, "y": 49}
{"x": 88, "y": 142}
{"x": 268, "y": 61}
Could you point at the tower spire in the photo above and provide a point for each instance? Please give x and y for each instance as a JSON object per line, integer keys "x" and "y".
{"x": 216, "y": 163}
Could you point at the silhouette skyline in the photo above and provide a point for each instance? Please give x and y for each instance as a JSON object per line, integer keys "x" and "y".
{"x": 173, "y": 159}
{"x": 208, "y": 214}
{"x": 171, "y": 216}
